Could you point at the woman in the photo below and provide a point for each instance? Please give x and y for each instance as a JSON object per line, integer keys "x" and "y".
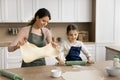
{"x": 72, "y": 47}
{"x": 36, "y": 33}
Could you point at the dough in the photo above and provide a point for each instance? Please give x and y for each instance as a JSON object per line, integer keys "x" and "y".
{"x": 83, "y": 75}
{"x": 30, "y": 52}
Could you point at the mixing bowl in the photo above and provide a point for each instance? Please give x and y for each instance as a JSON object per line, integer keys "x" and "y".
{"x": 113, "y": 71}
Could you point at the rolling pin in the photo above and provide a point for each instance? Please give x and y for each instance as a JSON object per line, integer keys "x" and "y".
{"x": 10, "y": 75}
{"x": 69, "y": 63}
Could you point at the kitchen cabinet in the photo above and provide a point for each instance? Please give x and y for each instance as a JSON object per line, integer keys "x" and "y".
{"x": 0, "y": 11}
{"x": 68, "y": 10}
{"x": 84, "y": 11}
{"x": 17, "y": 10}
{"x": 9, "y": 59}
{"x": 12, "y": 59}
{"x": 91, "y": 49}
{"x": 11, "y": 10}
{"x": 1, "y": 57}
{"x": 50, "y": 61}
{"x": 77, "y": 11}
{"x": 53, "y": 6}
{"x": 61, "y": 11}
{"x": 64, "y": 12}
{"x": 27, "y": 10}
{"x": 100, "y": 52}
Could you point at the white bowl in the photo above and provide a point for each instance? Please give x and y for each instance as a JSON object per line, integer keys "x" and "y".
{"x": 56, "y": 73}
{"x": 113, "y": 71}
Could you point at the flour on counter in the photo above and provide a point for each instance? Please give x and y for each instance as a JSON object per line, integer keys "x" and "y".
{"x": 83, "y": 75}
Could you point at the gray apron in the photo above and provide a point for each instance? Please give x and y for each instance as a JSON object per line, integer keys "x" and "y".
{"x": 39, "y": 41}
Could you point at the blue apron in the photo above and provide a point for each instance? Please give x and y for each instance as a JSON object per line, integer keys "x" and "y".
{"x": 74, "y": 54}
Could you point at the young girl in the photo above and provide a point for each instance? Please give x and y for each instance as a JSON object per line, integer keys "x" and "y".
{"x": 72, "y": 46}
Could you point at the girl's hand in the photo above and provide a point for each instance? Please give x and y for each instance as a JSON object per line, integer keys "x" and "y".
{"x": 90, "y": 61}
{"x": 61, "y": 62}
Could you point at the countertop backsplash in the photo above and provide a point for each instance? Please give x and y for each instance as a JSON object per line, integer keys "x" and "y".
{"x": 8, "y": 31}
{"x": 6, "y": 37}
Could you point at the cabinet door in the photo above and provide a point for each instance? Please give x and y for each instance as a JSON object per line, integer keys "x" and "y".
{"x": 0, "y": 10}
{"x": 100, "y": 52}
{"x": 11, "y": 10}
{"x": 1, "y": 57}
{"x": 53, "y": 6}
{"x": 76, "y": 10}
{"x": 91, "y": 49}
{"x": 27, "y": 10}
{"x": 68, "y": 10}
{"x": 105, "y": 21}
{"x": 13, "y": 63}
{"x": 12, "y": 59}
{"x": 50, "y": 61}
{"x": 84, "y": 11}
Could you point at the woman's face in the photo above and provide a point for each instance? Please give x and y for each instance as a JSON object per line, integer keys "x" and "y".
{"x": 72, "y": 35}
{"x": 42, "y": 22}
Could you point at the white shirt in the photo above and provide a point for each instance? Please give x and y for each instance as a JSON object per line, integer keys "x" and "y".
{"x": 65, "y": 46}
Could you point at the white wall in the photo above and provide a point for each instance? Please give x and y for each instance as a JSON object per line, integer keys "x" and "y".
{"x": 117, "y": 21}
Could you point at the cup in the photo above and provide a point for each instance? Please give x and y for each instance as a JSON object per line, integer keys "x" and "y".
{"x": 56, "y": 73}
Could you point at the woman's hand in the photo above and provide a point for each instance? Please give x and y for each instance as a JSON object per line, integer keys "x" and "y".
{"x": 20, "y": 43}
{"x": 12, "y": 48}
{"x": 54, "y": 44}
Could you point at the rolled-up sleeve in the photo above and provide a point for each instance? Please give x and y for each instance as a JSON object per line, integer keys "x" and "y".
{"x": 85, "y": 50}
{"x": 48, "y": 35}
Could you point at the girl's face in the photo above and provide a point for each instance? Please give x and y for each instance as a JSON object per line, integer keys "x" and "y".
{"x": 72, "y": 35}
{"x": 42, "y": 22}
